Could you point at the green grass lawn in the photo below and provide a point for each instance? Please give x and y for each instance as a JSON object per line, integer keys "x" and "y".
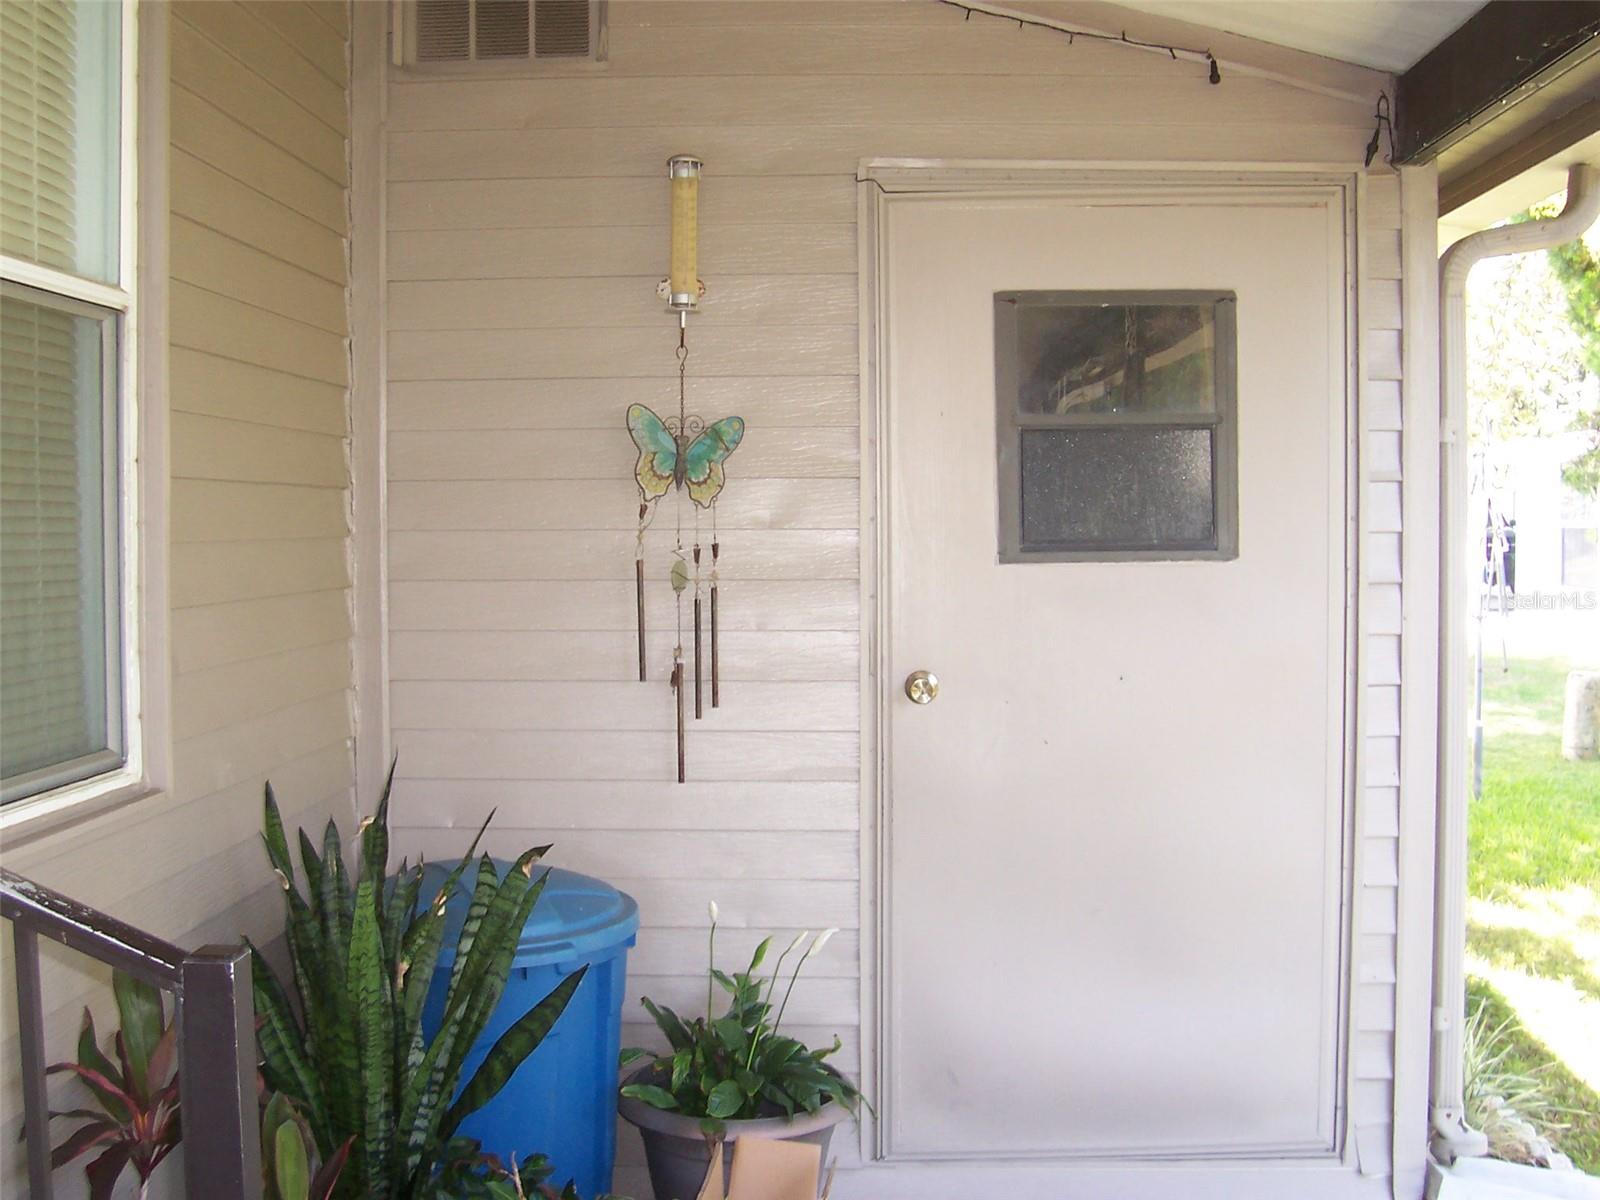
{"x": 1534, "y": 876}
{"x": 1537, "y": 824}
{"x": 1580, "y": 1141}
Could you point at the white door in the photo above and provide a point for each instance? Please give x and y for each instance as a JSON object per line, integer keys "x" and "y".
{"x": 1113, "y": 839}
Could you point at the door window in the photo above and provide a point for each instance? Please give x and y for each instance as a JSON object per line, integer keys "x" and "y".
{"x": 1116, "y": 425}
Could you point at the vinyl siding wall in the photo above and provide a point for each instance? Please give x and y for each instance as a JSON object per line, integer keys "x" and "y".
{"x": 526, "y": 233}
{"x": 1376, "y": 862}
{"x": 260, "y": 630}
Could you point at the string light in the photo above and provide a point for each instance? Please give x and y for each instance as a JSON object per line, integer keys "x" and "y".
{"x": 1215, "y": 74}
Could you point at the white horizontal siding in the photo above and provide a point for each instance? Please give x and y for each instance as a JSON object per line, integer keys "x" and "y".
{"x": 572, "y": 404}
{"x": 768, "y": 657}
{"x": 260, "y": 627}
{"x": 490, "y": 705}
{"x": 696, "y": 805}
{"x": 526, "y": 229}
{"x": 572, "y": 454}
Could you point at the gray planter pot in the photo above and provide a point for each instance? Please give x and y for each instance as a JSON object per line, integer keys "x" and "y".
{"x": 678, "y": 1155}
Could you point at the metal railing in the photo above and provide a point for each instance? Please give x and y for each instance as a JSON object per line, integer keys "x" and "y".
{"x": 216, "y": 1035}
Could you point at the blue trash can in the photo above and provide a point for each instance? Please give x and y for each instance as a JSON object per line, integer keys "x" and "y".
{"x": 562, "y": 1100}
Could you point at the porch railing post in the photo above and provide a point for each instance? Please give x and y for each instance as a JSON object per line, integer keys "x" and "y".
{"x": 30, "y": 1027}
{"x": 217, "y": 1053}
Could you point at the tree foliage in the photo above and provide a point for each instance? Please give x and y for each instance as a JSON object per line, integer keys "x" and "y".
{"x": 1527, "y": 363}
{"x": 1577, "y": 269}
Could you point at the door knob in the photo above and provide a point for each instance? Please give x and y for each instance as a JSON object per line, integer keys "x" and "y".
{"x": 922, "y": 687}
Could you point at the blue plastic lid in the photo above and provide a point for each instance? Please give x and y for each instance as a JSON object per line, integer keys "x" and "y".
{"x": 577, "y": 918}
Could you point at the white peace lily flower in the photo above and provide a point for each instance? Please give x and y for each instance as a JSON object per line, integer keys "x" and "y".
{"x": 822, "y": 940}
{"x": 798, "y": 938}
{"x": 712, "y": 909}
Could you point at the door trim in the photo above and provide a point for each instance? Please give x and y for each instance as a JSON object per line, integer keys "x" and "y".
{"x": 883, "y": 181}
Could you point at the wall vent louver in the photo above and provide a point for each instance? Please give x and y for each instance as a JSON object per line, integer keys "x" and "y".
{"x": 459, "y": 32}
{"x": 502, "y": 29}
{"x": 561, "y": 28}
{"x": 444, "y": 30}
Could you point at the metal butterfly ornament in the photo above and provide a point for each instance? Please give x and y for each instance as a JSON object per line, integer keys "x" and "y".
{"x": 689, "y": 458}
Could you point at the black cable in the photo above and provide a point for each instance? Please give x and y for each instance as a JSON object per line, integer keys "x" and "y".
{"x": 1381, "y": 117}
{"x": 1215, "y": 75}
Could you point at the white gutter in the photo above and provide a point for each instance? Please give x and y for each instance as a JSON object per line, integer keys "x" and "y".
{"x": 1451, "y": 1135}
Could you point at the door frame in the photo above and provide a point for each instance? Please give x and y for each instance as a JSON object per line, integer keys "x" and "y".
{"x": 882, "y": 181}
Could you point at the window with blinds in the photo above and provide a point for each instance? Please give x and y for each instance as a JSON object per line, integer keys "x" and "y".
{"x": 63, "y": 309}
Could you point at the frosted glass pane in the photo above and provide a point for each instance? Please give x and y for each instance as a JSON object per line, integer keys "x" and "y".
{"x": 60, "y": 125}
{"x": 1116, "y": 358}
{"x": 1127, "y": 488}
{"x": 55, "y": 654}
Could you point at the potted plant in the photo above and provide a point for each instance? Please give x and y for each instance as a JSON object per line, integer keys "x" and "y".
{"x": 134, "y": 1088}
{"x": 731, "y": 1076}
{"x": 352, "y": 1054}
{"x": 136, "y": 1122}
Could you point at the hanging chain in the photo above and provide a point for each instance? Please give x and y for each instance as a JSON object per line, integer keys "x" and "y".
{"x": 683, "y": 431}
{"x": 647, "y": 517}
{"x": 683, "y": 419}
{"x": 683, "y": 366}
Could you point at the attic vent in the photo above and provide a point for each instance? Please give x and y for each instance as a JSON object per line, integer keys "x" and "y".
{"x": 504, "y": 31}
{"x": 561, "y": 28}
{"x": 443, "y": 30}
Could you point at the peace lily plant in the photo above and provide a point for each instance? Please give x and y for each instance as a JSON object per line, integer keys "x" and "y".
{"x": 739, "y": 1065}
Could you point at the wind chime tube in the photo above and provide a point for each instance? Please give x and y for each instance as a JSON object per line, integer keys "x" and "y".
{"x": 698, "y": 707}
{"x": 638, "y": 592}
{"x": 699, "y": 710}
{"x": 683, "y": 282}
{"x": 677, "y": 692}
{"x": 716, "y": 697}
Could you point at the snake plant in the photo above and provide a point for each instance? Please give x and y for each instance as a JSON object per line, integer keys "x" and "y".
{"x": 353, "y": 1055}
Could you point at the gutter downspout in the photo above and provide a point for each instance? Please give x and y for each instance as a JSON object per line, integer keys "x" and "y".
{"x": 1452, "y": 1137}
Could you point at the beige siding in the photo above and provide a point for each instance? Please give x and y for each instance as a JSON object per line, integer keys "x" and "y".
{"x": 526, "y": 232}
{"x": 260, "y": 626}
{"x": 1377, "y": 837}
{"x": 260, "y": 370}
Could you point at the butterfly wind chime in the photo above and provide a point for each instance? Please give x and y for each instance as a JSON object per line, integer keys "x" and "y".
{"x": 682, "y": 456}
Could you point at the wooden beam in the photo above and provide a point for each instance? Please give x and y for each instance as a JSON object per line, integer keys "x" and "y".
{"x": 1506, "y": 52}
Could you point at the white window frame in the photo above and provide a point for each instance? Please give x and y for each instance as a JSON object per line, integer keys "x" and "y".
{"x": 140, "y": 410}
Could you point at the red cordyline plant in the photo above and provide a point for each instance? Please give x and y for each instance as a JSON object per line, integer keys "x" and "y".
{"x": 136, "y": 1122}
